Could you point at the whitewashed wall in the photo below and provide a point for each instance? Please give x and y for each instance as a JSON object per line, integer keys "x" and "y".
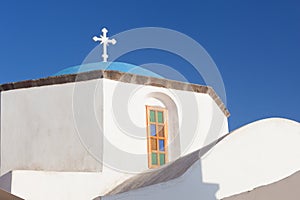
{"x": 59, "y": 127}
{"x": 97, "y": 127}
{"x": 36, "y": 185}
{"x": 39, "y": 132}
{"x": 194, "y": 121}
{"x": 257, "y": 154}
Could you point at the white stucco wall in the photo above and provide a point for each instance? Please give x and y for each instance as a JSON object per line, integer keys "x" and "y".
{"x": 257, "y": 154}
{"x": 59, "y": 127}
{"x": 39, "y": 130}
{"x": 198, "y": 122}
{"x": 36, "y": 185}
{"x": 85, "y": 137}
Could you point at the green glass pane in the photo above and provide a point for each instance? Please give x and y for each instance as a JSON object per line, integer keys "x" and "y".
{"x": 162, "y": 159}
{"x": 160, "y": 117}
{"x": 154, "y": 158}
{"x": 152, "y": 116}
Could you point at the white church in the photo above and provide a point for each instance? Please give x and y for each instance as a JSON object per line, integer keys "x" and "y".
{"x": 112, "y": 130}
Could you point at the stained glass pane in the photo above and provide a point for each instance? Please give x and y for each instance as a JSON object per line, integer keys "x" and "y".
{"x": 152, "y": 116}
{"x": 154, "y": 158}
{"x": 153, "y": 144}
{"x": 160, "y": 117}
{"x": 161, "y": 131}
{"x": 161, "y": 145}
{"x": 153, "y": 129}
{"x": 162, "y": 159}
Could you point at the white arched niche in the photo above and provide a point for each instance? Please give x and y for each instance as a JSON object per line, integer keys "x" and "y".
{"x": 147, "y": 96}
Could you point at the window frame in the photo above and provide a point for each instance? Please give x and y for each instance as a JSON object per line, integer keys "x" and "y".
{"x": 157, "y": 137}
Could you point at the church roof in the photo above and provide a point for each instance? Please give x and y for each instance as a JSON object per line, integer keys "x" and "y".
{"x": 116, "y": 66}
{"x": 122, "y": 72}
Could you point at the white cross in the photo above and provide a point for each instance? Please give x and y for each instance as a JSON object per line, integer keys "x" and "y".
{"x": 105, "y": 41}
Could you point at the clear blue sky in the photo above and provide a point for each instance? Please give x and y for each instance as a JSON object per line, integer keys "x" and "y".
{"x": 255, "y": 44}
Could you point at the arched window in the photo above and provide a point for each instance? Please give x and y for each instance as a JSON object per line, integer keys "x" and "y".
{"x": 157, "y": 136}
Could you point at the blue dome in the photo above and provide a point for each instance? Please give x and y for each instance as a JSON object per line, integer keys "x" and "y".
{"x": 117, "y": 66}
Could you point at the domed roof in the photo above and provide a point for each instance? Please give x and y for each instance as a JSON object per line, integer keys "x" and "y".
{"x": 116, "y": 66}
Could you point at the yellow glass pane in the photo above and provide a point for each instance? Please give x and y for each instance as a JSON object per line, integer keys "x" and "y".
{"x": 153, "y": 144}
{"x": 161, "y": 130}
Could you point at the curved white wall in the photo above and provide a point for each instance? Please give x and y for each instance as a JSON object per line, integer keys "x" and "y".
{"x": 257, "y": 154}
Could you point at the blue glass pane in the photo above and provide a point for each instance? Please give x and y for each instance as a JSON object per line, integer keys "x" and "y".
{"x": 153, "y": 129}
{"x": 161, "y": 145}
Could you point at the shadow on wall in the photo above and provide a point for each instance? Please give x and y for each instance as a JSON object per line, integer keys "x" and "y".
{"x": 181, "y": 179}
{"x": 5, "y": 182}
{"x": 5, "y": 187}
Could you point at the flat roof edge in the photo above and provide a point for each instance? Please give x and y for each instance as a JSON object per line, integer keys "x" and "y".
{"x": 118, "y": 76}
